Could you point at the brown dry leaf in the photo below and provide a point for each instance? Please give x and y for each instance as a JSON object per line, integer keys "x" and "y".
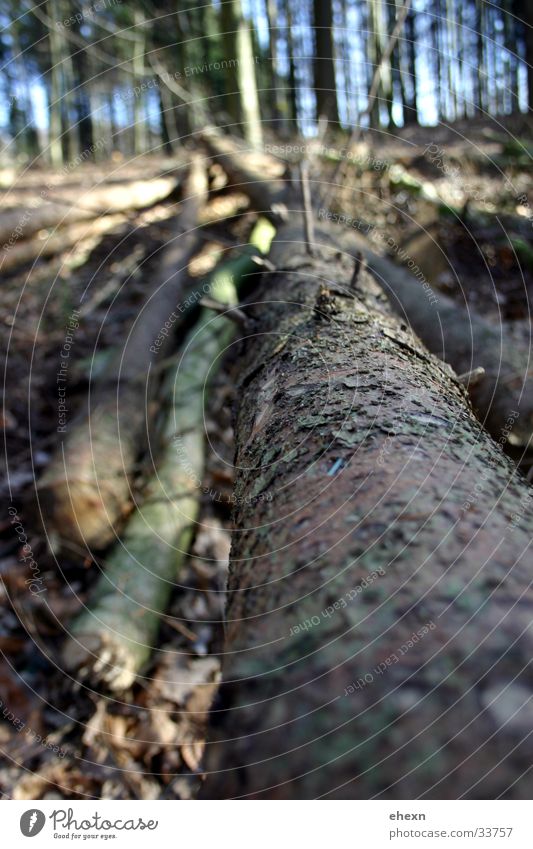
{"x": 213, "y": 542}
{"x": 192, "y": 754}
{"x": 206, "y": 259}
{"x": 179, "y": 675}
{"x": 58, "y": 776}
{"x": 108, "y": 731}
{"x": 223, "y": 207}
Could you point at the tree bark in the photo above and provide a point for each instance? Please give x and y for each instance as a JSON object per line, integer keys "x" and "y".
{"x": 411, "y": 113}
{"x": 459, "y": 336}
{"x": 291, "y": 59}
{"x": 280, "y": 108}
{"x": 80, "y": 204}
{"x": 378, "y": 624}
{"x": 242, "y": 102}
{"x": 80, "y": 67}
{"x": 525, "y": 12}
{"x": 324, "y": 63}
{"x": 60, "y": 241}
{"x": 466, "y": 341}
{"x": 55, "y": 124}
{"x": 114, "y": 637}
{"x": 251, "y": 111}
{"x": 86, "y": 487}
{"x": 138, "y": 69}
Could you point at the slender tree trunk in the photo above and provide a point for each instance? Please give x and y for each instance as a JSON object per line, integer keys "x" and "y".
{"x": 139, "y": 127}
{"x": 449, "y": 31}
{"x": 165, "y": 135}
{"x": 247, "y": 81}
{"x": 481, "y": 80}
{"x": 55, "y": 108}
{"x": 351, "y": 71}
{"x": 82, "y": 98}
{"x": 242, "y": 102}
{"x": 182, "y": 118}
{"x": 525, "y": 12}
{"x": 113, "y": 123}
{"x": 324, "y": 62}
{"x": 395, "y": 72}
{"x": 378, "y": 622}
{"x": 379, "y": 41}
{"x": 22, "y": 121}
{"x": 293, "y": 81}
{"x": 229, "y": 25}
{"x": 442, "y": 59}
{"x": 511, "y": 45}
{"x": 280, "y": 106}
{"x": 411, "y": 113}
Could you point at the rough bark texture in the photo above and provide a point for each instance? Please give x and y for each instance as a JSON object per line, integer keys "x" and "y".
{"x": 379, "y": 616}
{"x": 86, "y": 487}
{"x": 460, "y": 336}
{"x": 466, "y": 341}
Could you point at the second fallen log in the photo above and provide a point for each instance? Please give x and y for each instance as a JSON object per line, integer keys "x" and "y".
{"x": 86, "y": 487}
{"x": 113, "y": 639}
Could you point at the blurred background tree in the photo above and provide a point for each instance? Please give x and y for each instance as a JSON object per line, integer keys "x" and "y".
{"x": 143, "y": 76}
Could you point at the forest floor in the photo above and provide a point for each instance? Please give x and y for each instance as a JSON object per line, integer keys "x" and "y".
{"x": 464, "y": 219}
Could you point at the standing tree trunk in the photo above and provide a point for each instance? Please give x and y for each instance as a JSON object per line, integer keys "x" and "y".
{"x": 246, "y": 76}
{"x": 242, "y": 102}
{"x": 378, "y": 634}
{"x": 525, "y": 12}
{"x": 166, "y": 142}
{"x": 231, "y": 99}
{"x": 293, "y": 81}
{"x": 411, "y": 113}
{"x": 21, "y": 120}
{"x": 280, "y": 105}
{"x": 324, "y": 63}
{"x": 55, "y": 109}
{"x": 379, "y": 42}
{"x": 481, "y": 59}
{"x": 139, "y": 125}
{"x": 80, "y": 60}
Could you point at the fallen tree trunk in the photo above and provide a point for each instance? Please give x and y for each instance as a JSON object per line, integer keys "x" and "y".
{"x": 467, "y": 342}
{"x": 113, "y": 639}
{"x": 458, "y": 335}
{"x": 259, "y": 175}
{"x": 86, "y": 487}
{"x": 378, "y": 626}
{"x": 59, "y": 240}
{"x": 46, "y": 213}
